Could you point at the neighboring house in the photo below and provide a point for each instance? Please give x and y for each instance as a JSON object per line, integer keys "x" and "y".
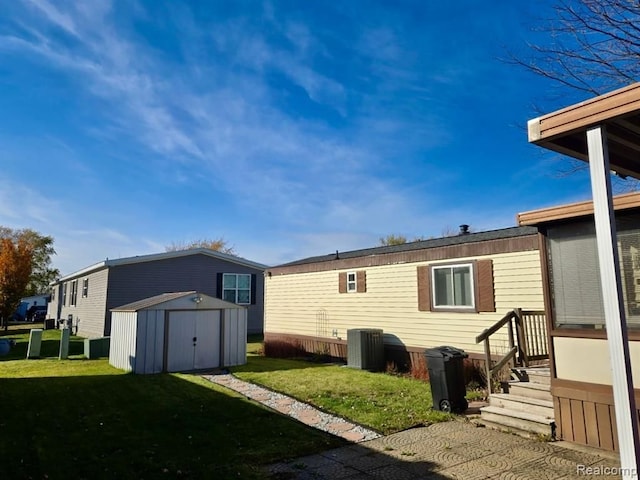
{"x": 579, "y": 354}
{"x": 422, "y": 294}
{"x": 87, "y": 296}
{"x": 28, "y": 302}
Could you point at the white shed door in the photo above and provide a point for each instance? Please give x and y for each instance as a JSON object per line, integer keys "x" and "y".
{"x": 193, "y": 340}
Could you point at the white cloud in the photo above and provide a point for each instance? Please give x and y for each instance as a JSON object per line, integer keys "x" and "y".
{"x": 55, "y": 16}
{"x": 219, "y": 118}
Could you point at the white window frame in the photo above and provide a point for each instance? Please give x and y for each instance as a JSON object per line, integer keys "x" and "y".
{"x": 236, "y": 289}
{"x": 471, "y": 282}
{"x": 352, "y": 284}
{"x": 74, "y": 293}
{"x": 64, "y": 294}
{"x": 85, "y": 287}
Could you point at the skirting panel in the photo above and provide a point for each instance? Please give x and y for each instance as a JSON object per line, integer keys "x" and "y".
{"x": 585, "y": 413}
{"x": 402, "y": 358}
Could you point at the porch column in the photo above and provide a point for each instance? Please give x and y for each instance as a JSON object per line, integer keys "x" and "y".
{"x": 614, "y": 311}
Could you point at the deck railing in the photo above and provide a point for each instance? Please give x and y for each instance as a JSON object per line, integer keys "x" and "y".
{"x": 526, "y": 336}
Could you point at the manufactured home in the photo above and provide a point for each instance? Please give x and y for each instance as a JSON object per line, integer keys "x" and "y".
{"x": 84, "y": 299}
{"x": 422, "y": 294}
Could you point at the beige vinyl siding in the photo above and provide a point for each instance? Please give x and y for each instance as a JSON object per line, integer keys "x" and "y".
{"x": 573, "y": 354}
{"x": 90, "y": 311}
{"x": 294, "y": 302}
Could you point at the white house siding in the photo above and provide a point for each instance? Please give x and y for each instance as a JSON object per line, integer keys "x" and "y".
{"x": 89, "y": 312}
{"x": 309, "y": 304}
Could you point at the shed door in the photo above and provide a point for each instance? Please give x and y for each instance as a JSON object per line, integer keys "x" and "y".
{"x": 193, "y": 340}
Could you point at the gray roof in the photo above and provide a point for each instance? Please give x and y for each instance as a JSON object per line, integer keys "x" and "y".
{"x": 163, "y": 302}
{"x": 151, "y": 301}
{"x": 421, "y": 245}
{"x": 162, "y": 256}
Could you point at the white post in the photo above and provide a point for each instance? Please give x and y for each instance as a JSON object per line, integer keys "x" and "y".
{"x": 614, "y": 311}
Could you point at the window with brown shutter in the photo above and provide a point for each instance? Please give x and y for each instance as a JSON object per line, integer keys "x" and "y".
{"x": 424, "y": 289}
{"x": 456, "y": 287}
{"x": 361, "y": 281}
{"x": 352, "y": 282}
{"x": 342, "y": 282}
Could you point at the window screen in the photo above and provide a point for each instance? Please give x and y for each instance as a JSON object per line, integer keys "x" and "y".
{"x": 575, "y": 274}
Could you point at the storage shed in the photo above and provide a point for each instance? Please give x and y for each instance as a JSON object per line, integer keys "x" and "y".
{"x": 178, "y": 332}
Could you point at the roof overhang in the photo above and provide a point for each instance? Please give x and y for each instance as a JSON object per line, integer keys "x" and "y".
{"x": 564, "y": 131}
{"x": 575, "y": 210}
{"x": 161, "y": 256}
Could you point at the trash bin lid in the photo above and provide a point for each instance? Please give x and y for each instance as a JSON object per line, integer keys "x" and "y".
{"x": 445, "y": 352}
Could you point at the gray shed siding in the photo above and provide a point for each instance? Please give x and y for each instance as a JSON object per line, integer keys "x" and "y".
{"x": 89, "y": 311}
{"x": 150, "y": 340}
{"x": 122, "y": 353}
{"x": 140, "y": 341}
{"x": 234, "y": 338}
{"x": 132, "y": 282}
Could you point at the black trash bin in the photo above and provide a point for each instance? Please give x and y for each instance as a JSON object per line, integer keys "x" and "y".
{"x": 446, "y": 375}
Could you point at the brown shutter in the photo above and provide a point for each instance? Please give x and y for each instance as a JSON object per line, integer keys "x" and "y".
{"x": 342, "y": 282}
{"x": 424, "y": 288}
{"x": 361, "y": 281}
{"x": 486, "y": 296}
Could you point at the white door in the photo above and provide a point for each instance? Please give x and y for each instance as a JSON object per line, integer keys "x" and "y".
{"x": 193, "y": 340}
{"x": 207, "y": 353}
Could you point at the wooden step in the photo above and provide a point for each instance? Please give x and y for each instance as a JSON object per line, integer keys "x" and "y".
{"x": 540, "y": 375}
{"x": 530, "y": 390}
{"x": 520, "y": 422}
{"x": 525, "y": 404}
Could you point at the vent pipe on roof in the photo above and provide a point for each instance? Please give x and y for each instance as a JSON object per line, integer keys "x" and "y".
{"x": 464, "y": 229}
{"x": 337, "y": 255}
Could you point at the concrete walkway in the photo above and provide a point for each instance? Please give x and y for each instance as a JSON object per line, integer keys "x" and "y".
{"x": 450, "y": 450}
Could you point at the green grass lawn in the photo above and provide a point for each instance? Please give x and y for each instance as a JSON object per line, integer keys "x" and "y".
{"x": 87, "y": 418}
{"x": 386, "y": 403}
{"x": 81, "y": 418}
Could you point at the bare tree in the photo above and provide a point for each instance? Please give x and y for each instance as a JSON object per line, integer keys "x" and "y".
{"x": 218, "y": 244}
{"x": 593, "y": 45}
{"x": 392, "y": 239}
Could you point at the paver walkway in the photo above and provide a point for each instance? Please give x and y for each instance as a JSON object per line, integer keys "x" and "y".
{"x": 450, "y": 450}
{"x": 301, "y": 411}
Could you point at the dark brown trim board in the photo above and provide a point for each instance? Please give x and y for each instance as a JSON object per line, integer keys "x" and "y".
{"x": 475, "y": 249}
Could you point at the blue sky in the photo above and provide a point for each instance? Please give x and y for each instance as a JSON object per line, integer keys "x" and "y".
{"x": 289, "y": 128}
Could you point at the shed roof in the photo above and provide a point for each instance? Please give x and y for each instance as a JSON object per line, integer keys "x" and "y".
{"x": 163, "y": 256}
{"x": 563, "y": 131}
{"x": 165, "y": 300}
{"x": 504, "y": 233}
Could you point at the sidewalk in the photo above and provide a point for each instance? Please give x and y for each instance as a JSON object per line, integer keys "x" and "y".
{"x": 450, "y": 450}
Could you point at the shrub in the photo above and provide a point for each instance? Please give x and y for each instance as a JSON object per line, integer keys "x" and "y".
{"x": 419, "y": 369}
{"x": 283, "y": 349}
